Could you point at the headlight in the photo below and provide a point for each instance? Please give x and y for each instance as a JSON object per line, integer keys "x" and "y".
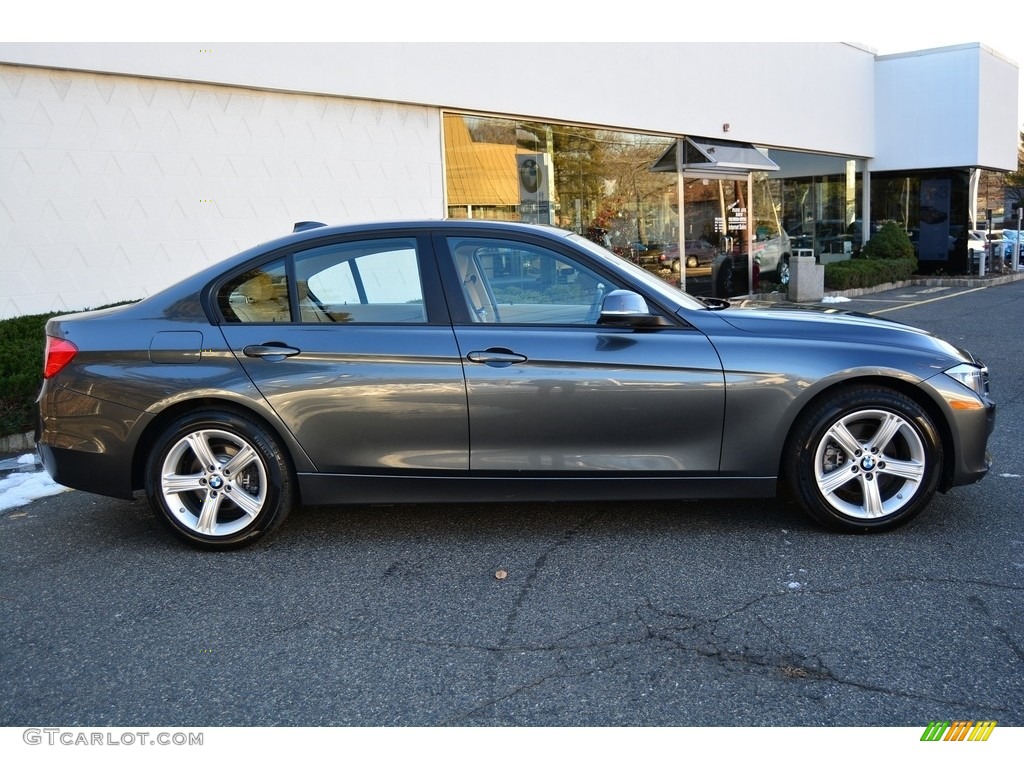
{"x": 974, "y": 377}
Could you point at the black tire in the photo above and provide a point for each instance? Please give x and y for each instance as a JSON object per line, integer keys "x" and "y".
{"x": 782, "y": 271}
{"x": 723, "y": 287}
{"x": 217, "y": 479}
{"x": 864, "y": 459}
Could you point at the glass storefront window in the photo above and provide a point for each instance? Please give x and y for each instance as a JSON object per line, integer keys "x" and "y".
{"x": 601, "y": 184}
{"x": 933, "y": 207}
{"x": 822, "y": 212}
{"x": 597, "y": 183}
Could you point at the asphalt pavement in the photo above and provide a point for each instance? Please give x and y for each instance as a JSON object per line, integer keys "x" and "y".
{"x": 723, "y": 613}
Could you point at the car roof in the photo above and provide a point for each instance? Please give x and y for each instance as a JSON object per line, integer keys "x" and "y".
{"x": 313, "y": 229}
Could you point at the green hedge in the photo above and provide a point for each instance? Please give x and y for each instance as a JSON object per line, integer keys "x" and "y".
{"x": 890, "y": 242}
{"x": 864, "y": 273}
{"x": 22, "y": 342}
{"x": 886, "y": 258}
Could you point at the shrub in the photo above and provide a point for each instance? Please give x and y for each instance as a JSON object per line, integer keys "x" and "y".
{"x": 890, "y": 242}
{"x": 864, "y": 273}
{"x": 22, "y": 341}
{"x": 887, "y": 257}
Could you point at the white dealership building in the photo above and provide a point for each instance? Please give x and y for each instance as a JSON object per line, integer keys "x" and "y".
{"x": 124, "y": 166}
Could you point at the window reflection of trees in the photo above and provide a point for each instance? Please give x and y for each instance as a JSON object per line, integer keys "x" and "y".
{"x": 603, "y": 186}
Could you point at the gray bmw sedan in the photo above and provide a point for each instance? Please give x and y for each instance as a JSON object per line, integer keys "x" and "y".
{"x": 467, "y": 360}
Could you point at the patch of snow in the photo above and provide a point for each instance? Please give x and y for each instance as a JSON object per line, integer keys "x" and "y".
{"x": 794, "y": 585}
{"x": 1007, "y": 474}
{"x": 20, "y": 488}
{"x": 835, "y": 299}
{"x": 27, "y": 458}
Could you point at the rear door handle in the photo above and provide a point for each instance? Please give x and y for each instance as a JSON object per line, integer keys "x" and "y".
{"x": 496, "y": 357}
{"x": 272, "y": 351}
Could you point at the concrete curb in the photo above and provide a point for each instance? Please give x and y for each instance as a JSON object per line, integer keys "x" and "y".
{"x": 928, "y": 282}
{"x": 933, "y": 282}
{"x": 17, "y": 443}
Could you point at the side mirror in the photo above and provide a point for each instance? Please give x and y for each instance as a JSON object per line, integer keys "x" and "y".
{"x": 626, "y": 308}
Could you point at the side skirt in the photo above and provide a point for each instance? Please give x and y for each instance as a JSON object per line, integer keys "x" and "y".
{"x": 319, "y": 489}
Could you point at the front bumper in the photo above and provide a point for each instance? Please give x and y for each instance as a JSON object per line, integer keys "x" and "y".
{"x": 972, "y": 460}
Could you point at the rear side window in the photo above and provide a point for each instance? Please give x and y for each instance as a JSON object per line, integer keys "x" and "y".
{"x": 257, "y": 296}
{"x": 370, "y": 281}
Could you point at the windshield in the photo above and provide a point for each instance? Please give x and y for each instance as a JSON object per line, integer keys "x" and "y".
{"x": 655, "y": 284}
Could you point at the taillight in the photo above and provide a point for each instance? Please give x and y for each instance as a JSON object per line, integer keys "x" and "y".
{"x": 59, "y": 352}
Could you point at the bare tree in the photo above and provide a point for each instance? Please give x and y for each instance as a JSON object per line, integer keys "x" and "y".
{"x": 1014, "y": 180}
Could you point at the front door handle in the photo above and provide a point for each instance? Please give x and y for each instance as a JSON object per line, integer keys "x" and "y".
{"x": 496, "y": 357}
{"x": 272, "y": 351}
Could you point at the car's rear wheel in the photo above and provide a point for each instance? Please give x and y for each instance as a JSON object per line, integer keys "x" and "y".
{"x": 219, "y": 480}
{"x": 864, "y": 459}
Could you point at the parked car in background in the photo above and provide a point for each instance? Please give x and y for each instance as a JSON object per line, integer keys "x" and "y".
{"x": 468, "y": 360}
{"x": 976, "y": 239}
{"x": 772, "y": 254}
{"x": 1008, "y": 238}
{"x": 827, "y": 236}
{"x": 699, "y": 253}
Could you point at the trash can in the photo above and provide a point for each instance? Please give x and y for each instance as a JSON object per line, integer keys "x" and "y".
{"x": 806, "y": 279}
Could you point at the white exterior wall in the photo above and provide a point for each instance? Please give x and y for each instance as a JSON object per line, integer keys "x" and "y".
{"x": 114, "y": 187}
{"x": 815, "y": 96}
{"x": 952, "y": 107}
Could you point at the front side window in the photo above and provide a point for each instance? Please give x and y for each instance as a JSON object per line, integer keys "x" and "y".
{"x": 515, "y": 283}
{"x": 369, "y": 281}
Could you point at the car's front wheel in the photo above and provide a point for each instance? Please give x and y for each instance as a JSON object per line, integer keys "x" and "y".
{"x": 219, "y": 480}
{"x": 723, "y": 278}
{"x": 782, "y": 271}
{"x": 864, "y": 459}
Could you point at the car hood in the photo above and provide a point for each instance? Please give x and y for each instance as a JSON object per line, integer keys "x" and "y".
{"x": 799, "y": 322}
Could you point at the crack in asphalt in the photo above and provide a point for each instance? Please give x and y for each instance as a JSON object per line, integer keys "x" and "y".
{"x": 797, "y": 668}
{"x": 538, "y": 565}
{"x": 685, "y": 633}
{"x": 1013, "y": 645}
{"x": 645, "y": 625}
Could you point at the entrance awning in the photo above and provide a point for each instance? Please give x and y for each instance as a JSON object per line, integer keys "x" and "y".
{"x": 713, "y": 158}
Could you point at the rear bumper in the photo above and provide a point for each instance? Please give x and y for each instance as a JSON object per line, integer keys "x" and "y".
{"x": 85, "y": 443}
{"x": 92, "y": 472}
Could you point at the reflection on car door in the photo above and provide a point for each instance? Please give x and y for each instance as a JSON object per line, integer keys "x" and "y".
{"x": 349, "y": 361}
{"x": 550, "y": 391}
